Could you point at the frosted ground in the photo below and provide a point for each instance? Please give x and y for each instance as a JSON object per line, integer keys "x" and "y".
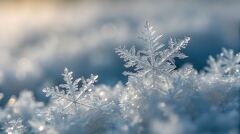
{"x": 38, "y": 40}
{"x": 158, "y": 98}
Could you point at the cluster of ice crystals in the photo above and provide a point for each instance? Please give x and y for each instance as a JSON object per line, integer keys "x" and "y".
{"x": 158, "y": 97}
{"x": 226, "y": 64}
{"x": 15, "y": 127}
{"x": 188, "y": 95}
{"x": 70, "y": 97}
{"x": 156, "y": 60}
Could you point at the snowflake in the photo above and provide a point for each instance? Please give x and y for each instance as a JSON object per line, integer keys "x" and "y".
{"x": 154, "y": 63}
{"x": 227, "y": 64}
{"x": 155, "y": 57}
{"x": 70, "y": 96}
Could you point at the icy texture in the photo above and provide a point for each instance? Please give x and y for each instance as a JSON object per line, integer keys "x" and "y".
{"x": 155, "y": 61}
{"x": 15, "y": 127}
{"x": 157, "y": 99}
{"x": 69, "y": 97}
{"x": 155, "y": 58}
{"x": 227, "y": 63}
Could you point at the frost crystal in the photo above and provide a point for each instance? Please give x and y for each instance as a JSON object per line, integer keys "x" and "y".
{"x": 226, "y": 64}
{"x": 70, "y": 96}
{"x": 155, "y": 58}
{"x": 154, "y": 63}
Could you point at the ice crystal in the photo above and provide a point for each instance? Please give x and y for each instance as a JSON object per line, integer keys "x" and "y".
{"x": 156, "y": 58}
{"x": 70, "y": 96}
{"x": 155, "y": 61}
{"x": 154, "y": 66}
{"x": 225, "y": 64}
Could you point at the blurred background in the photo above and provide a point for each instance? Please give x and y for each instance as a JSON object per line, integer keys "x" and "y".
{"x": 38, "y": 38}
